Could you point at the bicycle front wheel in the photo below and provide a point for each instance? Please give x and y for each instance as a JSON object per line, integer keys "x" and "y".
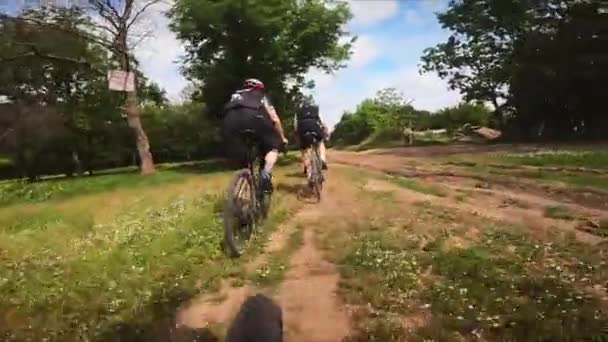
{"x": 239, "y": 212}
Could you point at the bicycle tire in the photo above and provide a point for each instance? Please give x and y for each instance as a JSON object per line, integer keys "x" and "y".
{"x": 263, "y": 199}
{"x": 316, "y": 174}
{"x": 236, "y": 217}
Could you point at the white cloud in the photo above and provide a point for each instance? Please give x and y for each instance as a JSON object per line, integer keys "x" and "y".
{"x": 428, "y": 90}
{"x": 365, "y": 49}
{"x": 368, "y": 12}
{"x": 159, "y": 54}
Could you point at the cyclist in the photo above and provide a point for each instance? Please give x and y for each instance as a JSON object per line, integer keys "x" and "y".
{"x": 249, "y": 108}
{"x": 307, "y": 120}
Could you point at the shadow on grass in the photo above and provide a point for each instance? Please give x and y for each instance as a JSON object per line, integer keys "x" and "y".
{"x": 297, "y": 174}
{"x": 294, "y": 189}
{"x": 204, "y": 166}
{"x": 301, "y": 191}
{"x": 158, "y": 324}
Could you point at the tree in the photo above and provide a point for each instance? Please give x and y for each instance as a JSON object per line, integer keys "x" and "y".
{"x": 62, "y": 117}
{"x": 46, "y": 73}
{"x": 542, "y": 61}
{"x": 120, "y": 17}
{"x": 277, "y": 41}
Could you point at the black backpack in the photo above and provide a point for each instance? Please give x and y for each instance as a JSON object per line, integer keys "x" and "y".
{"x": 308, "y": 112}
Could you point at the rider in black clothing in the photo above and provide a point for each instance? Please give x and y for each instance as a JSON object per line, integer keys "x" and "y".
{"x": 249, "y": 108}
{"x": 307, "y": 119}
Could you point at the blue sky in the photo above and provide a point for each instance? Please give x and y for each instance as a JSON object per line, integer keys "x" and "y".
{"x": 391, "y": 37}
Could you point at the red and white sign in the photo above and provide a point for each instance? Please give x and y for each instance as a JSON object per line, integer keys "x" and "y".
{"x": 121, "y": 80}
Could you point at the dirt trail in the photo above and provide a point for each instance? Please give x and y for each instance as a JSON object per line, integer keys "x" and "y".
{"x": 311, "y": 308}
{"x": 519, "y": 205}
{"x": 414, "y": 164}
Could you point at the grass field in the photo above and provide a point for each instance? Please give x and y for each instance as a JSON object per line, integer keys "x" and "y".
{"x": 108, "y": 256}
{"x": 465, "y": 247}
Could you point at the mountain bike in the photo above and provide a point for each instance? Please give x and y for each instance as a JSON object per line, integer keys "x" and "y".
{"x": 315, "y": 176}
{"x": 246, "y": 202}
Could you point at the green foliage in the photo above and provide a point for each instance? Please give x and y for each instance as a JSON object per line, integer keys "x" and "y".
{"x": 540, "y": 62}
{"x": 453, "y": 118}
{"x": 181, "y": 132}
{"x": 274, "y": 40}
{"x": 384, "y": 120}
{"x": 388, "y": 111}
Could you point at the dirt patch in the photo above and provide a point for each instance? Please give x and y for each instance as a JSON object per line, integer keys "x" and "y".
{"x": 410, "y": 164}
{"x": 455, "y": 242}
{"x": 492, "y": 207}
{"x": 276, "y": 242}
{"x": 311, "y": 308}
{"x": 204, "y": 311}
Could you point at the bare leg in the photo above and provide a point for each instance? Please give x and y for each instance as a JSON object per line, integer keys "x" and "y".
{"x": 322, "y": 151}
{"x": 306, "y": 160}
{"x": 270, "y": 159}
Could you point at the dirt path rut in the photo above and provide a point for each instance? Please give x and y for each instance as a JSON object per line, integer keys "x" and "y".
{"x": 312, "y": 311}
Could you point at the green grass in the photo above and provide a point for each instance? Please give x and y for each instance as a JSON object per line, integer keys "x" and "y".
{"x": 22, "y": 191}
{"x": 506, "y": 287}
{"x": 559, "y": 212}
{"x": 78, "y": 269}
{"x": 412, "y": 184}
{"x": 596, "y": 159}
{"x": 59, "y": 187}
{"x": 568, "y": 177}
{"x": 360, "y": 175}
{"x": 110, "y": 272}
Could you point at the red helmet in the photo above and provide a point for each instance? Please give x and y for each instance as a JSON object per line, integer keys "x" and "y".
{"x": 254, "y": 83}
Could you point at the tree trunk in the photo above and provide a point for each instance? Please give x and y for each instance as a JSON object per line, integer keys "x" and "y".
{"x": 132, "y": 110}
{"x": 143, "y": 146}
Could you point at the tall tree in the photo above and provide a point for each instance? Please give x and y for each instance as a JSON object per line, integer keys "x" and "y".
{"x": 277, "y": 41}
{"x": 120, "y": 17}
{"x": 542, "y": 59}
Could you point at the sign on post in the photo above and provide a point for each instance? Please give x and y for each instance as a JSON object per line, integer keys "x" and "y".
{"x": 120, "y": 80}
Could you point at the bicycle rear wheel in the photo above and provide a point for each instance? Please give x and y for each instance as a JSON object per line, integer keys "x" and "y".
{"x": 316, "y": 176}
{"x": 239, "y": 212}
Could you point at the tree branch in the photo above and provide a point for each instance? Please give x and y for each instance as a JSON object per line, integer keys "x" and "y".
{"x": 36, "y": 53}
{"x": 98, "y": 40}
{"x": 104, "y": 11}
{"x": 141, "y": 11}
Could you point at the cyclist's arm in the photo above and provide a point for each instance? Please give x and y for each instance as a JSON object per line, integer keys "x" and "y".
{"x": 276, "y": 121}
